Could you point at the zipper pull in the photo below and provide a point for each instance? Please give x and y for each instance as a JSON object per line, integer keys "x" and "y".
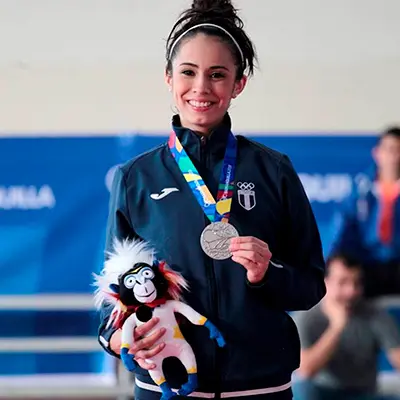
{"x": 203, "y": 141}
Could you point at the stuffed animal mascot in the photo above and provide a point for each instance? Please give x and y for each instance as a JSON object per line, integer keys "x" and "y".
{"x": 140, "y": 287}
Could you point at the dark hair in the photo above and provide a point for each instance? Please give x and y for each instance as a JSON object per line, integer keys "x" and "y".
{"x": 223, "y": 14}
{"x": 347, "y": 259}
{"x": 391, "y": 131}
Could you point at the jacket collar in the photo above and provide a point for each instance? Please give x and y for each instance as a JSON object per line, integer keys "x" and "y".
{"x": 214, "y": 144}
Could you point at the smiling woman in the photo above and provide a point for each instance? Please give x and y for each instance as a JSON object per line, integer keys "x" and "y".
{"x": 227, "y": 213}
{"x": 203, "y": 88}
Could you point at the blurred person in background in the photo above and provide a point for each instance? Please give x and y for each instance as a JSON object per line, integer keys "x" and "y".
{"x": 342, "y": 337}
{"x": 273, "y": 264}
{"x": 367, "y": 225}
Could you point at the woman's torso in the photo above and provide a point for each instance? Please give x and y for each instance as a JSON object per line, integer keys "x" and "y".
{"x": 262, "y": 342}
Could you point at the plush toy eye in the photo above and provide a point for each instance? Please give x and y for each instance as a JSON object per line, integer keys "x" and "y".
{"x": 129, "y": 281}
{"x": 147, "y": 273}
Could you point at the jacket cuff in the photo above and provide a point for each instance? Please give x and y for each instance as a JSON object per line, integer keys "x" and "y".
{"x": 272, "y": 277}
{"x": 104, "y": 339}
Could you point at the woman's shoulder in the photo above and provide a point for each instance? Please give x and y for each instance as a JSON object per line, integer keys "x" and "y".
{"x": 270, "y": 155}
{"x": 149, "y": 159}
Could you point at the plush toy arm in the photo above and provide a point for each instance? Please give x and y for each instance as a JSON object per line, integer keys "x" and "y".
{"x": 215, "y": 333}
{"x": 197, "y": 319}
{"x": 127, "y": 340}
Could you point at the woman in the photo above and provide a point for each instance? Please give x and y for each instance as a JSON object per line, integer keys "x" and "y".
{"x": 272, "y": 260}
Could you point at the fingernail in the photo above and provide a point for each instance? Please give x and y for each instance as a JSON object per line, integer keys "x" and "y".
{"x": 162, "y": 345}
{"x": 163, "y": 330}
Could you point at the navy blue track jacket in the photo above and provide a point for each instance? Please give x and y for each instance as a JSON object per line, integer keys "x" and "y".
{"x": 263, "y": 346}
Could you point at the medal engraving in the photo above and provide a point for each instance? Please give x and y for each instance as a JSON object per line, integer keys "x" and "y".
{"x": 215, "y": 240}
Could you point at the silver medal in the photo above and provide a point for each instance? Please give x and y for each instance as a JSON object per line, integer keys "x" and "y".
{"x": 215, "y": 239}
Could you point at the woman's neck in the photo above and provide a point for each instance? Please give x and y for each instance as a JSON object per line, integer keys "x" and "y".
{"x": 199, "y": 130}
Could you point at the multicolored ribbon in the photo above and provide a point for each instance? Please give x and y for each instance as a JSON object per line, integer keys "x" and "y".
{"x": 215, "y": 210}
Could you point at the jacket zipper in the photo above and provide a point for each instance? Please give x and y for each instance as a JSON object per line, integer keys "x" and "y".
{"x": 210, "y": 266}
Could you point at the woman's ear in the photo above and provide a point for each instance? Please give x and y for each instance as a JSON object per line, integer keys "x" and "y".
{"x": 239, "y": 86}
{"x": 168, "y": 80}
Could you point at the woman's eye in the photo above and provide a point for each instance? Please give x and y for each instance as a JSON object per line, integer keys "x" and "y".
{"x": 217, "y": 75}
{"x": 188, "y": 73}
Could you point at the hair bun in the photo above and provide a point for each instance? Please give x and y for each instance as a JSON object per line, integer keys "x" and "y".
{"x": 217, "y": 8}
{"x": 213, "y": 12}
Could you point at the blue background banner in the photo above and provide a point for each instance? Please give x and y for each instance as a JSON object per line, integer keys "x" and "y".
{"x": 53, "y": 210}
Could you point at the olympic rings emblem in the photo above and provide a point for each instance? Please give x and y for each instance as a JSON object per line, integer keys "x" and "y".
{"x": 246, "y": 186}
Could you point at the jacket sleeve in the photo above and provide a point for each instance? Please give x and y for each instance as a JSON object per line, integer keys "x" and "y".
{"x": 296, "y": 280}
{"x": 118, "y": 226}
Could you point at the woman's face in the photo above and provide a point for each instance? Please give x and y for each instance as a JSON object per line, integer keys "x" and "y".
{"x": 203, "y": 81}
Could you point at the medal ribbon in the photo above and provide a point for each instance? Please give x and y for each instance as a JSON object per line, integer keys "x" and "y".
{"x": 215, "y": 210}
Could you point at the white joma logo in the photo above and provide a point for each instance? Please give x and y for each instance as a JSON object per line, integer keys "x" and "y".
{"x": 164, "y": 192}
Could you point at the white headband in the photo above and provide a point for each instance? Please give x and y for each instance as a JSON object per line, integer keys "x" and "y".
{"x": 211, "y": 25}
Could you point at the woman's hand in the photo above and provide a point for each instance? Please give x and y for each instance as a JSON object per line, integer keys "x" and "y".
{"x": 143, "y": 347}
{"x": 253, "y": 254}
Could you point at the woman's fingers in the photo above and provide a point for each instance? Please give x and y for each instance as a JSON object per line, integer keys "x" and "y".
{"x": 147, "y": 342}
{"x": 146, "y": 327}
{"x": 146, "y": 354}
{"x": 144, "y": 364}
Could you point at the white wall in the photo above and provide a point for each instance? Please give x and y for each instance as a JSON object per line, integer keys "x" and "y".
{"x": 96, "y": 66}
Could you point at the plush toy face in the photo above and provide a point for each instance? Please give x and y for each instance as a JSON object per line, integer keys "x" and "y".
{"x": 142, "y": 284}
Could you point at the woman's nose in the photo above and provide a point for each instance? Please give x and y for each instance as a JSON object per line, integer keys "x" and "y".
{"x": 201, "y": 85}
